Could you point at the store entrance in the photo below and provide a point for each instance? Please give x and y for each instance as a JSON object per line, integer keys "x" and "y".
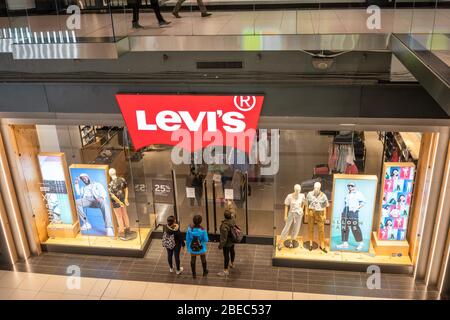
{"x": 210, "y": 190}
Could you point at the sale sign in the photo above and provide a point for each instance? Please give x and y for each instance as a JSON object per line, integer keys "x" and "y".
{"x": 192, "y": 122}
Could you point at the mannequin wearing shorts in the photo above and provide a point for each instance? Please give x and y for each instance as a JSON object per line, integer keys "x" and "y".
{"x": 317, "y": 202}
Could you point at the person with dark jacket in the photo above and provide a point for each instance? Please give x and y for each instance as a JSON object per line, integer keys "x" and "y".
{"x": 226, "y": 242}
{"x": 196, "y": 240}
{"x": 172, "y": 232}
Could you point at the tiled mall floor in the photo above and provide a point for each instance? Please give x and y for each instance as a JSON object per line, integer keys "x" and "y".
{"x": 254, "y": 277}
{"x": 33, "y": 286}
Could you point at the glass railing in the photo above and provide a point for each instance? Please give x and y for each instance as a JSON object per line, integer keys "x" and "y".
{"x": 56, "y": 21}
{"x": 110, "y": 20}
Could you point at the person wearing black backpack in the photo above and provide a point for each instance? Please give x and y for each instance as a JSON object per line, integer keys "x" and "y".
{"x": 196, "y": 240}
{"x": 227, "y": 242}
{"x": 172, "y": 240}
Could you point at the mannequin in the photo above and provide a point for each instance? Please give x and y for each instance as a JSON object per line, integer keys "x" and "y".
{"x": 294, "y": 206}
{"x": 118, "y": 189}
{"x": 317, "y": 213}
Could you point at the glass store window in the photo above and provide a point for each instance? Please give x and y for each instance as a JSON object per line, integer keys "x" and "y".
{"x": 85, "y": 184}
{"x": 346, "y": 197}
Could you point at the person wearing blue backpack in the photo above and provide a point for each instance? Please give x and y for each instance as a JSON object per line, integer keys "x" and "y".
{"x": 196, "y": 240}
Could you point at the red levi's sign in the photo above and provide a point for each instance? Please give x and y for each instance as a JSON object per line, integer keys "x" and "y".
{"x": 192, "y": 122}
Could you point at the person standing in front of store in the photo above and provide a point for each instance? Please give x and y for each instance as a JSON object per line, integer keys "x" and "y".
{"x": 196, "y": 241}
{"x": 173, "y": 241}
{"x": 226, "y": 243}
{"x": 354, "y": 200}
{"x": 201, "y": 6}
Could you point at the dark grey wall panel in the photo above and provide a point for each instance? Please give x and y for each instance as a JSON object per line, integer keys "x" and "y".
{"x": 135, "y": 63}
{"x": 303, "y": 100}
{"x": 411, "y": 101}
{"x": 312, "y": 101}
{"x": 23, "y": 98}
{"x": 71, "y": 98}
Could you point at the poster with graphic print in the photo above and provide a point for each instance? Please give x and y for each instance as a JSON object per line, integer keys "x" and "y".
{"x": 92, "y": 201}
{"x": 55, "y": 188}
{"x": 397, "y": 184}
{"x": 353, "y": 201}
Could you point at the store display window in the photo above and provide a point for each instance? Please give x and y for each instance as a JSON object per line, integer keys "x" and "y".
{"x": 86, "y": 185}
{"x": 347, "y": 197}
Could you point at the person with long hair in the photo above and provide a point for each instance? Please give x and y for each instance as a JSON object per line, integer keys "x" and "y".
{"x": 196, "y": 243}
{"x": 173, "y": 241}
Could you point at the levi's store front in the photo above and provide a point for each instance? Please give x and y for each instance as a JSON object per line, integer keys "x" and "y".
{"x": 331, "y": 195}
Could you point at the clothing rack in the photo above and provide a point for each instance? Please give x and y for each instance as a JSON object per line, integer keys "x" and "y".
{"x": 395, "y": 149}
{"x": 355, "y": 140}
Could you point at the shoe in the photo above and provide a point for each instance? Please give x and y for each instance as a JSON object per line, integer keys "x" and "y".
{"x": 231, "y": 265}
{"x": 323, "y": 250}
{"x": 110, "y": 232}
{"x": 194, "y": 275}
{"x": 171, "y": 270}
{"x": 136, "y": 25}
{"x": 180, "y": 271}
{"x": 343, "y": 245}
{"x": 291, "y": 244}
{"x": 176, "y": 15}
{"x": 205, "y": 273}
{"x": 206, "y": 14}
{"x": 130, "y": 234}
{"x": 223, "y": 273}
{"x": 279, "y": 246}
{"x": 163, "y": 24}
{"x": 86, "y": 226}
{"x": 360, "y": 246}
{"x": 122, "y": 236}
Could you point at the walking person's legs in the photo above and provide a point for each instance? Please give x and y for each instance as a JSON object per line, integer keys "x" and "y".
{"x": 135, "y": 5}
{"x": 157, "y": 10}
{"x": 202, "y": 8}
{"x": 177, "y": 8}
{"x": 204, "y": 12}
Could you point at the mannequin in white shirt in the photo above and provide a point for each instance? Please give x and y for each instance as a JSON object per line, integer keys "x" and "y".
{"x": 294, "y": 206}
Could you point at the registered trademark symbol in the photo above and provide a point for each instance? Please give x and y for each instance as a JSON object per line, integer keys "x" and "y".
{"x": 245, "y": 103}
